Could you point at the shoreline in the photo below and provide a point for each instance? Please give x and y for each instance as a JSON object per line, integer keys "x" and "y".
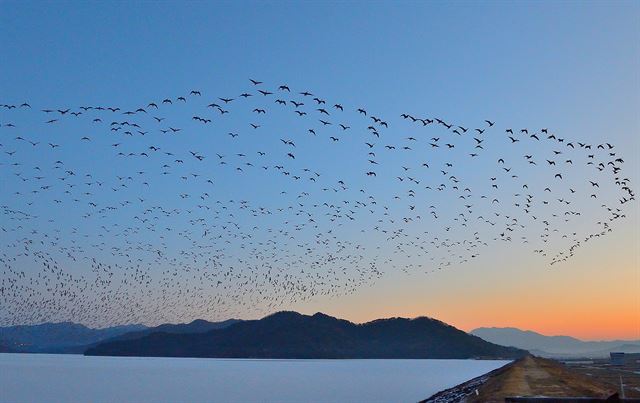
{"x": 533, "y": 376}
{"x": 455, "y": 393}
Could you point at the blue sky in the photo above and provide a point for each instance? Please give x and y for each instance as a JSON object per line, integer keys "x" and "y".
{"x": 569, "y": 66}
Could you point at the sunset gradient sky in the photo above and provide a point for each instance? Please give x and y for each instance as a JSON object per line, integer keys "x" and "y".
{"x": 570, "y": 66}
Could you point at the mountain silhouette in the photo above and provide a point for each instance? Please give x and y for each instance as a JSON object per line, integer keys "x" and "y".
{"x": 197, "y": 326}
{"x": 554, "y": 346}
{"x": 63, "y": 337}
{"x": 293, "y": 335}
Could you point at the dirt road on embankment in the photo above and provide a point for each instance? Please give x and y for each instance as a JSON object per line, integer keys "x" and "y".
{"x": 529, "y": 376}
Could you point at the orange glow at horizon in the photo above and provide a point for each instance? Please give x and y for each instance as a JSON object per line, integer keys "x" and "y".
{"x": 597, "y": 297}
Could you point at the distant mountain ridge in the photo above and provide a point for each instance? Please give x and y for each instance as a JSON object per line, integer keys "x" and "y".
{"x": 63, "y": 337}
{"x": 196, "y": 326}
{"x": 73, "y": 338}
{"x": 293, "y": 335}
{"x": 554, "y": 346}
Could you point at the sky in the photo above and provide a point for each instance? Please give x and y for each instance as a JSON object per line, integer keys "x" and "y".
{"x": 572, "y": 67}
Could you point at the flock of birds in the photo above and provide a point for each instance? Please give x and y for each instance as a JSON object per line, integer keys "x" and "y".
{"x": 220, "y": 206}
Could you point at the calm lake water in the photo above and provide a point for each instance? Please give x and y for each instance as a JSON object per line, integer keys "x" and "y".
{"x": 75, "y": 378}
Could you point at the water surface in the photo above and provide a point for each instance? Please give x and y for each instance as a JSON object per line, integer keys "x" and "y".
{"x": 76, "y": 378}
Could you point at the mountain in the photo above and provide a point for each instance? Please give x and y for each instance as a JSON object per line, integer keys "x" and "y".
{"x": 293, "y": 335}
{"x": 197, "y": 326}
{"x": 68, "y": 337}
{"x": 65, "y": 337}
{"x": 4, "y": 347}
{"x": 554, "y": 346}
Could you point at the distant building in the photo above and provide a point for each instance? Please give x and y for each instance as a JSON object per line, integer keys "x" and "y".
{"x": 618, "y": 358}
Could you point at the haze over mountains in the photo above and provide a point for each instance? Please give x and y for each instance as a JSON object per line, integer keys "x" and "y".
{"x": 293, "y": 335}
{"x": 196, "y": 326}
{"x": 64, "y": 337}
{"x": 554, "y": 346}
{"x": 73, "y": 338}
